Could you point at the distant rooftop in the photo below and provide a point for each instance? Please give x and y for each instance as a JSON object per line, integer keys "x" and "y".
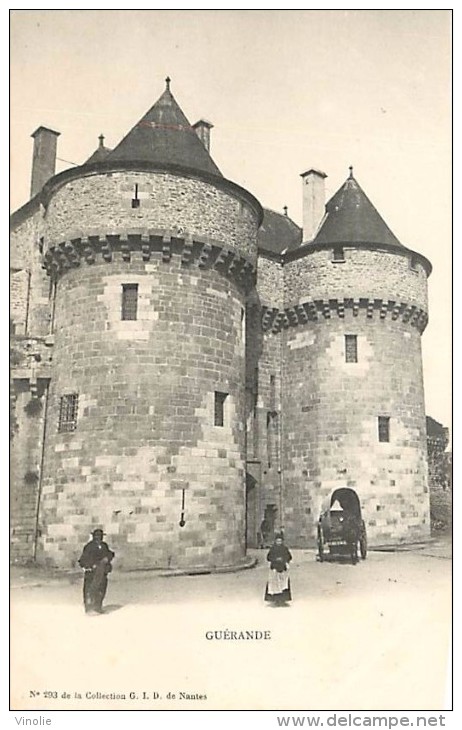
{"x": 278, "y": 232}
{"x": 101, "y": 152}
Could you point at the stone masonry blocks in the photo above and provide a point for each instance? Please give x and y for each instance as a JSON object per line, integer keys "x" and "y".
{"x": 331, "y": 411}
{"x": 203, "y": 210}
{"x": 146, "y": 418}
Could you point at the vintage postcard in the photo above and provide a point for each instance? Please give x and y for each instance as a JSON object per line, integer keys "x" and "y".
{"x": 230, "y": 362}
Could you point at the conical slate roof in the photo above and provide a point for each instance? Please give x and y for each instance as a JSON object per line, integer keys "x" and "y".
{"x": 351, "y": 218}
{"x": 164, "y": 136}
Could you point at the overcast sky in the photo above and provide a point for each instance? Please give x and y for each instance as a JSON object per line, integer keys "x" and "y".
{"x": 285, "y": 90}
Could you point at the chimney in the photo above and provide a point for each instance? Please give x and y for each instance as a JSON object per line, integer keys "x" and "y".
{"x": 202, "y": 129}
{"x": 44, "y": 158}
{"x": 314, "y": 200}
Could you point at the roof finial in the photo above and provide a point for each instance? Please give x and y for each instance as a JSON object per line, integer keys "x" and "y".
{"x": 286, "y": 210}
{"x": 101, "y": 140}
{"x": 167, "y": 83}
{"x": 351, "y": 170}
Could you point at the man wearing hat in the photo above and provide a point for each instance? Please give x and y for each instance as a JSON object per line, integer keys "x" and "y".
{"x": 96, "y": 562}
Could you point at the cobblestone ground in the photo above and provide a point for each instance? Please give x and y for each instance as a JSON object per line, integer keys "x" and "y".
{"x": 374, "y": 636}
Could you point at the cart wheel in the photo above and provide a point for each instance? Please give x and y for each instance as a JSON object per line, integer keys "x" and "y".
{"x": 320, "y": 545}
{"x": 363, "y": 546}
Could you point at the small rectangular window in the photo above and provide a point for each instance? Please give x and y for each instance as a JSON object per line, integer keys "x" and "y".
{"x": 413, "y": 263}
{"x": 220, "y": 399}
{"x": 351, "y": 348}
{"x": 135, "y": 199}
{"x": 384, "y": 428}
{"x": 338, "y": 255}
{"x": 129, "y": 301}
{"x": 68, "y": 408}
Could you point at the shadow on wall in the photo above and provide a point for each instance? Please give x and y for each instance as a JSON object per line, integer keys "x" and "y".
{"x": 254, "y": 349}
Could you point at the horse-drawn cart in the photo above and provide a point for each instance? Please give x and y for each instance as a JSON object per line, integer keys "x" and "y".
{"x": 341, "y": 529}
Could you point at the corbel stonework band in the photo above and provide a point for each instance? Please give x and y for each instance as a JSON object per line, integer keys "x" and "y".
{"x": 203, "y": 252}
{"x": 274, "y": 319}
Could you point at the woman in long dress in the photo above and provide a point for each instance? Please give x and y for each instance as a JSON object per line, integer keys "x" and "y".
{"x": 278, "y": 585}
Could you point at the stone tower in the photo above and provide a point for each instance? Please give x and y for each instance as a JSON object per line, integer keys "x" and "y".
{"x": 355, "y": 306}
{"x": 187, "y": 365}
{"x": 151, "y": 252}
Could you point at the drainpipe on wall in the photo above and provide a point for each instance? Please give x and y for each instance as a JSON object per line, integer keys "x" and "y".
{"x": 26, "y": 323}
{"x": 52, "y": 313}
{"x": 40, "y": 483}
{"x": 281, "y": 423}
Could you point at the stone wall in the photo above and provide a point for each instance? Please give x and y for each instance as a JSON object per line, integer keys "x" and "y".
{"x": 270, "y": 280}
{"x": 145, "y": 428}
{"x": 102, "y": 203}
{"x": 331, "y": 409}
{"x": 30, "y": 359}
{"x": 364, "y": 273}
{"x": 146, "y": 459}
{"x": 270, "y": 423}
{"x": 29, "y": 284}
{"x": 25, "y": 464}
{"x": 264, "y": 357}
